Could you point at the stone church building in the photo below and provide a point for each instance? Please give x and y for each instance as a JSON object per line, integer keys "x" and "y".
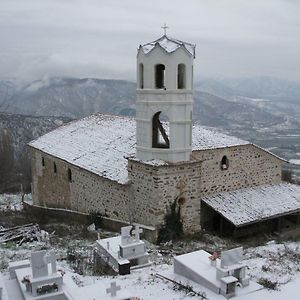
{"x": 133, "y": 169}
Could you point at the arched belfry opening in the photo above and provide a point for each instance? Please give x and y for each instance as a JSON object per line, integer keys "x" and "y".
{"x": 141, "y": 76}
{"x": 160, "y": 72}
{"x": 160, "y": 131}
{"x": 181, "y": 76}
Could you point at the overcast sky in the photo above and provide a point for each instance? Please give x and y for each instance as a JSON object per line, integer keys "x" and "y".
{"x": 99, "y": 38}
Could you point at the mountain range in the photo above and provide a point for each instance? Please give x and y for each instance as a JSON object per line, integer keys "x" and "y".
{"x": 262, "y": 110}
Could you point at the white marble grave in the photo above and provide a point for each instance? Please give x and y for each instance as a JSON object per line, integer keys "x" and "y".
{"x": 123, "y": 252}
{"x": 225, "y": 276}
{"x": 41, "y": 280}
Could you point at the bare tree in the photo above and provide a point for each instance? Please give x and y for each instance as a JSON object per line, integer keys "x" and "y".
{"x": 6, "y": 158}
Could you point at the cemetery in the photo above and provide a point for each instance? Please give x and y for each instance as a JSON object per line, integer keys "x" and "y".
{"x": 206, "y": 275}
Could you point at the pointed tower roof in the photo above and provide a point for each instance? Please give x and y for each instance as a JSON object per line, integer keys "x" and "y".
{"x": 169, "y": 45}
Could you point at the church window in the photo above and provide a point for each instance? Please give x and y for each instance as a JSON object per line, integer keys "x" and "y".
{"x": 224, "y": 163}
{"x": 160, "y": 76}
{"x": 181, "y": 77}
{"x": 141, "y": 76}
{"x": 43, "y": 161}
{"x": 181, "y": 200}
{"x": 160, "y": 132}
{"x": 54, "y": 168}
{"x": 70, "y": 175}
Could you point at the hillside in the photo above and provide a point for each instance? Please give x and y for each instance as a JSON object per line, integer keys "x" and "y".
{"x": 71, "y": 97}
{"x": 236, "y": 107}
{"x": 15, "y": 132}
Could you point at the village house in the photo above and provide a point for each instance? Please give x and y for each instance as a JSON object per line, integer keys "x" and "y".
{"x": 133, "y": 170}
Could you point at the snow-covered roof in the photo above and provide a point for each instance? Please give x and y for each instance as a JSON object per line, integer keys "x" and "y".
{"x": 250, "y": 205}
{"x": 101, "y": 143}
{"x": 169, "y": 45}
{"x": 208, "y": 138}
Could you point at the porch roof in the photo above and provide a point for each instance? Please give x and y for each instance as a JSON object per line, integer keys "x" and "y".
{"x": 251, "y": 205}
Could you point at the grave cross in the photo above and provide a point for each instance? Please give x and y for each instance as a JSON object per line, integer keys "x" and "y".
{"x": 165, "y": 27}
{"x": 113, "y": 289}
{"x": 52, "y": 259}
{"x": 137, "y": 232}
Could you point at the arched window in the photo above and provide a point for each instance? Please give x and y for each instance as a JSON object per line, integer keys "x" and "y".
{"x": 141, "y": 76}
{"x": 160, "y": 131}
{"x": 224, "y": 163}
{"x": 54, "y": 168}
{"x": 160, "y": 76}
{"x": 181, "y": 77}
{"x": 70, "y": 175}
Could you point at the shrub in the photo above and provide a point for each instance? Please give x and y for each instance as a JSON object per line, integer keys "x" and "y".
{"x": 268, "y": 283}
{"x": 173, "y": 227}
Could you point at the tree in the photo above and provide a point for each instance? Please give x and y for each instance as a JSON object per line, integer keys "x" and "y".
{"x": 6, "y": 158}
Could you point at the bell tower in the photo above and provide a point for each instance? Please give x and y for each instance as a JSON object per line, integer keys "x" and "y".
{"x": 164, "y": 102}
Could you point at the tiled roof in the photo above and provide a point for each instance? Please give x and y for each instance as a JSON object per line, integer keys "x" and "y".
{"x": 100, "y": 143}
{"x": 169, "y": 45}
{"x": 250, "y": 205}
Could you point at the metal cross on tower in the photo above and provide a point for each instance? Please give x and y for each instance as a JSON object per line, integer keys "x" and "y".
{"x": 165, "y": 27}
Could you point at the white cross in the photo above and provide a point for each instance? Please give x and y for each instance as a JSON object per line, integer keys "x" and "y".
{"x": 165, "y": 27}
{"x": 113, "y": 289}
{"x": 52, "y": 257}
{"x": 137, "y": 232}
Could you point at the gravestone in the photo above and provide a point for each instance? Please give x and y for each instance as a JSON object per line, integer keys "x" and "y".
{"x": 132, "y": 248}
{"x": 126, "y": 237}
{"x": 231, "y": 257}
{"x": 43, "y": 283}
{"x": 38, "y": 264}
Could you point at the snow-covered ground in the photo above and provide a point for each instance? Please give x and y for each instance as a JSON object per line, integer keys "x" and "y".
{"x": 275, "y": 263}
{"x": 13, "y": 202}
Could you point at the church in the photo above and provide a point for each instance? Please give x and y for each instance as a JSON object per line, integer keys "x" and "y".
{"x": 134, "y": 170}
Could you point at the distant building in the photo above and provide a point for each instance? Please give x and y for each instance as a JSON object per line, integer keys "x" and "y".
{"x": 133, "y": 170}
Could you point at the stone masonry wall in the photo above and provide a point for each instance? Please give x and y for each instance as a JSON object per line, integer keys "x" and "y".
{"x": 86, "y": 192}
{"x": 152, "y": 189}
{"x": 248, "y": 166}
{"x": 92, "y": 193}
{"x": 50, "y": 188}
{"x": 155, "y": 188}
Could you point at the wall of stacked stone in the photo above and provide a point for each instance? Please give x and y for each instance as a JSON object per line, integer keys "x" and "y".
{"x": 50, "y": 188}
{"x": 248, "y": 166}
{"x": 155, "y": 188}
{"x": 152, "y": 189}
{"x": 86, "y": 192}
{"x": 93, "y": 193}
